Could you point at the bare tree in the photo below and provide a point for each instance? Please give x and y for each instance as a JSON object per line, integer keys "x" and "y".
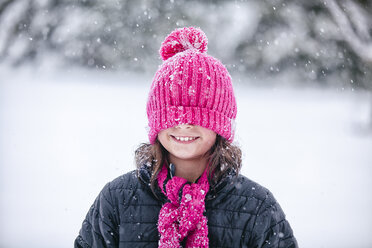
{"x": 354, "y": 20}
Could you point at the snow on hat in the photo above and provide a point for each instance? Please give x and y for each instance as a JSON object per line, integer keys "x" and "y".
{"x": 190, "y": 87}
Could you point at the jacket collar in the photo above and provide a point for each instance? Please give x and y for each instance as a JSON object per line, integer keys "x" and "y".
{"x": 144, "y": 175}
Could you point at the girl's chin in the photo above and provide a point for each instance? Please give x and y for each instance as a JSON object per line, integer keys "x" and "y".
{"x": 186, "y": 157}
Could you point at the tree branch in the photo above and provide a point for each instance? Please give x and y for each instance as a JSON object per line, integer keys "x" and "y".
{"x": 362, "y": 48}
{"x": 4, "y": 5}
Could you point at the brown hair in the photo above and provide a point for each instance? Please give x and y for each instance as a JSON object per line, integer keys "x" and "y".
{"x": 223, "y": 157}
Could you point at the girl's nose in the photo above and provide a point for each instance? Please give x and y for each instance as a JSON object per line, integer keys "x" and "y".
{"x": 184, "y": 126}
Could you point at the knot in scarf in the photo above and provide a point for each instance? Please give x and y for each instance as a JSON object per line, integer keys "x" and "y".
{"x": 181, "y": 219}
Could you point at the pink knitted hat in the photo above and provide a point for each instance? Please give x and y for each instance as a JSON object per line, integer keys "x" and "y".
{"x": 190, "y": 87}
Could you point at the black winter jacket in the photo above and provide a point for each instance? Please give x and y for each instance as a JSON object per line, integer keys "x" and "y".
{"x": 240, "y": 213}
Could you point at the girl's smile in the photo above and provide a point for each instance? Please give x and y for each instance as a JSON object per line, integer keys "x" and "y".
{"x": 184, "y": 140}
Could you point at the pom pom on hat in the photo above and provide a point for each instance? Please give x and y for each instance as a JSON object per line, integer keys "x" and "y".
{"x": 183, "y": 39}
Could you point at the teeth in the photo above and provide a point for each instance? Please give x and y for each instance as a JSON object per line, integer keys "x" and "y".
{"x": 185, "y": 138}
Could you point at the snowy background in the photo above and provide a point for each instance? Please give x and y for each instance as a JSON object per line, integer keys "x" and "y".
{"x": 74, "y": 78}
{"x": 65, "y": 135}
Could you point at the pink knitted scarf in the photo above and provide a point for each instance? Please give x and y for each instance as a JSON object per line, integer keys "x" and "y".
{"x": 182, "y": 217}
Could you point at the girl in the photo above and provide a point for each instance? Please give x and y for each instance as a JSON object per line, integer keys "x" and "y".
{"x": 187, "y": 191}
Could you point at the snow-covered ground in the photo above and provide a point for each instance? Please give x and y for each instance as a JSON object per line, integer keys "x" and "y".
{"x": 64, "y": 135}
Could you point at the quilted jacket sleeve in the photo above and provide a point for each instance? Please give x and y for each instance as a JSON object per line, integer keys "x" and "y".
{"x": 271, "y": 229}
{"x": 100, "y": 227}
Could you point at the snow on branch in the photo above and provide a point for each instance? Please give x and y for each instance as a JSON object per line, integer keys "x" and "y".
{"x": 360, "y": 42}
